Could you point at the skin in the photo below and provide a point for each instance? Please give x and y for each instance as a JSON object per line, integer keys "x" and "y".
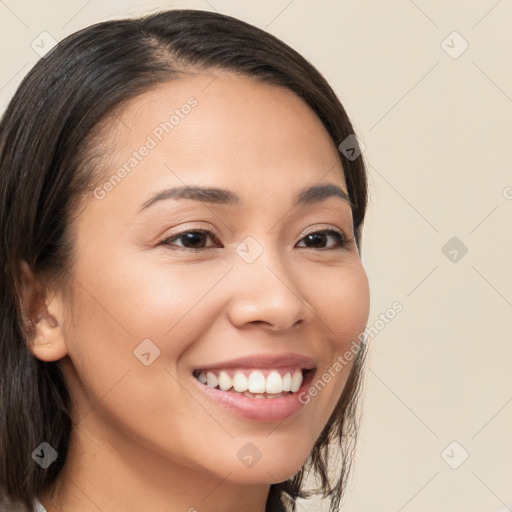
{"x": 143, "y": 438}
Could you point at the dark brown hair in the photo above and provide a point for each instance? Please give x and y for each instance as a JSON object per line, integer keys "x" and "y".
{"x": 46, "y": 153}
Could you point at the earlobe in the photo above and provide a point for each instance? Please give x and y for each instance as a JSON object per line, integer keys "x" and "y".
{"x": 43, "y": 318}
{"x": 48, "y": 343}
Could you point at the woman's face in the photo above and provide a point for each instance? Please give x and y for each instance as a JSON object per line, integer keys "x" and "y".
{"x": 157, "y": 300}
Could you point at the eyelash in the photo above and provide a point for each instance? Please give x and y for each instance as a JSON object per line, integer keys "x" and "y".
{"x": 343, "y": 241}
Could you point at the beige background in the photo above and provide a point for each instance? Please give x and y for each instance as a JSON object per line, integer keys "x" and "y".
{"x": 437, "y": 131}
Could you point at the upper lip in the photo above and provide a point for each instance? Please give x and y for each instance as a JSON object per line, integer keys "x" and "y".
{"x": 263, "y": 361}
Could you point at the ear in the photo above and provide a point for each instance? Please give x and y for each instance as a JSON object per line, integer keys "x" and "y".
{"x": 43, "y": 318}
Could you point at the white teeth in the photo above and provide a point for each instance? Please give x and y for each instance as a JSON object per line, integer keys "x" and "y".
{"x": 257, "y": 382}
{"x": 287, "y": 382}
{"x": 296, "y": 381}
{"x": 250, "y": 395}
{"x": 211, "y": 380}
{"x": 225, "y": 381}
{"x": 274, "y": 383}
{"x": 240, "y": 382}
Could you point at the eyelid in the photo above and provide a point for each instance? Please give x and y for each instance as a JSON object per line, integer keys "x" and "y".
{"x": 322, "y": 227}
{"x": 191, "y": 226}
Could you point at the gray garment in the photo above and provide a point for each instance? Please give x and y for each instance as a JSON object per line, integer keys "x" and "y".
{"x": 38, "y": 507}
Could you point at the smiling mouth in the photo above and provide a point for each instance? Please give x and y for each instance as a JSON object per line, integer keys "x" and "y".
{"x": 256, "y": 383}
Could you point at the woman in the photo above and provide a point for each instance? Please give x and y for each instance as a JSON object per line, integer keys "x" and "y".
{"x": 181, "y": 273}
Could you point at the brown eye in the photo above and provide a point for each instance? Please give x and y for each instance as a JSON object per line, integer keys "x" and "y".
{"x": 318, "y": 239}
{"x": 193, "y": 239}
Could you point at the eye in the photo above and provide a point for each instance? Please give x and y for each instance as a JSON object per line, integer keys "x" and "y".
{"x": 196, "y": 240}
{"x": 192, "y": 239}
{"x": 317, "y": 239}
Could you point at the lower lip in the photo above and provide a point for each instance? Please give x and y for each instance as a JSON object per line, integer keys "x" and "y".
{"x": 258, "y": 409}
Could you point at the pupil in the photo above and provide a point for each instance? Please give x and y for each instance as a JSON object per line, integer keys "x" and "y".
{"x": 194, "y": 237}
{"x": 317, "y": 238}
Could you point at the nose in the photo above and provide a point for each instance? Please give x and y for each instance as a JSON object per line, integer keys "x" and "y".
{"x": 266, "y": 292}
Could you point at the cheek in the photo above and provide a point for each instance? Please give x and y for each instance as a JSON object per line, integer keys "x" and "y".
{"x": 172, "y": 304}
{"x": 134, "y": 300}
{"x": 343, "y": 308}
{"x": 341, "y": 299}
{"x": 119, "y": 310}
{"x": 127, "y": 312}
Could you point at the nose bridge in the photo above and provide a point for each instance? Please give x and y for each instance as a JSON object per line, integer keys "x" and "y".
{"x": 265, "y": 289}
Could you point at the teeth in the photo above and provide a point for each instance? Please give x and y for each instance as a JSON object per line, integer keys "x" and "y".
{"x": 225, "y": 381}
{"x": 250, "y": 395}
{"x": 296, "y": 381}
{"x": 274, "y": 383}
{"x": 256, "y": 384}
{"x": 240, "y": 382}
{"x": 287, "y": 382}
{"x": 211, "y": 380}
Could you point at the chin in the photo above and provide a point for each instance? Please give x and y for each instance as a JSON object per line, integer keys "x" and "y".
{"x": 277, "y": 467}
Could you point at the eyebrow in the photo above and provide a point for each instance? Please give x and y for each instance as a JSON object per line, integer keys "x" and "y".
{"x": 306, "y": 196}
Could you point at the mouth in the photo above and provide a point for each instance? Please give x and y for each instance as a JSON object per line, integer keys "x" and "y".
{"x": 259, "y": 388}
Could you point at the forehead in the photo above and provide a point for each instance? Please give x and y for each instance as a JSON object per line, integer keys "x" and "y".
{"x": 224, "y": 130}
